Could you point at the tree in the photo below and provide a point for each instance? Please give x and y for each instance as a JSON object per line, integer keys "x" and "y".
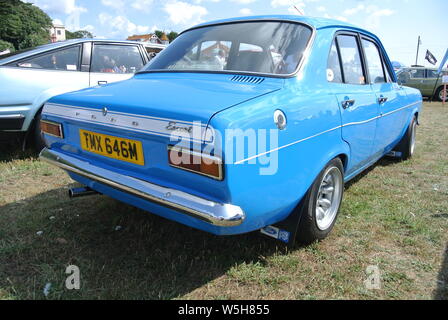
{"x": 23, "y": 24}
{"x": 78, "y": 34}
{"x": 4, "y": 45}
{"x": 159, "y": 33}
{"x": 172, "y": 35}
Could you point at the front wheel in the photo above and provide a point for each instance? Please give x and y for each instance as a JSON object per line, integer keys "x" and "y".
{"x": 322, "y": 203}
{"x": 39, "y": 142}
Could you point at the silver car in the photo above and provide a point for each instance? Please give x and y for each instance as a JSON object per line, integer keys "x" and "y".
{"x": 29, "y": 78}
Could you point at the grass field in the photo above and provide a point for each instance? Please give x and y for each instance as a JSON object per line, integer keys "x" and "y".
{"x": 394, "y": 217}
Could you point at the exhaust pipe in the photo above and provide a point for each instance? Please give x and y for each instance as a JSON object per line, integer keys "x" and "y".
{"x": 81, "y": 192}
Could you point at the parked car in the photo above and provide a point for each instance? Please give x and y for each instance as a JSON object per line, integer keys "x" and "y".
{"x": 153, "y": 49}
{"x": 427, "y": 80}
{"x": 29, "y": 78}
{"x": 240, "y": 125}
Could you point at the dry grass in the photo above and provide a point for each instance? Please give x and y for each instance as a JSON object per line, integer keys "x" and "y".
{"x": 395, "y": 217}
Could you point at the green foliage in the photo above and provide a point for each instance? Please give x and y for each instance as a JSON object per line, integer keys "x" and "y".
{"x": 159, "y": 33}
{"x": 23, "y": 24}
{"x": 172, "y": 35}
{"x": 6, "y": 45}
{"x": 78, "y": 34}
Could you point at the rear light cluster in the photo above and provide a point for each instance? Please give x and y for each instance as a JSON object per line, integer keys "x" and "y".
{"x": 196, "y": 162}
{"x": 51, "y": 128}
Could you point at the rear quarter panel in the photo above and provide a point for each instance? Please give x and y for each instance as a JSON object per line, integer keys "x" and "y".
{"x": 270, "y": 186}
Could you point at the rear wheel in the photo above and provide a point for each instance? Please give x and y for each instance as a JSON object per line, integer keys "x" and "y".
{"x": 322, "y": 203}
{"x": 440, "y": 94}
{"x": 407, "y": 144}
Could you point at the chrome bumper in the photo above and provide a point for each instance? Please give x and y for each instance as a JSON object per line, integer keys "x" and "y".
{"x": 218, "y": 214}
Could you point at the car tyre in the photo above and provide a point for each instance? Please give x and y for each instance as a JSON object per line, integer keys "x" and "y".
{"x": 322, "y": 203}
{"x": 439, "y": 94}
{"x": 39, "y": 142}
{"x": 407, "y": 144}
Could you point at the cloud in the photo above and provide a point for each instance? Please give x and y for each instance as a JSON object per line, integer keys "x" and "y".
{"x": 58, "y": 7}
{"x": 114, "y": 4}
{"x": 243, "y": 1}
{"x": 281, "y": 3}
{"x": 185, "y": 14}
{"x": 245, "y": 11}
{"x": 375, "y": 14}
{"x": 321, "y": 9}
{"x": 142, "y": 5}
{"x": 355, "y": 10}
{"x": 120, "y": 26}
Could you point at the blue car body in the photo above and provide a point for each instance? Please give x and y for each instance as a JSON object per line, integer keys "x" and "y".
{"x": 319, "y": 129}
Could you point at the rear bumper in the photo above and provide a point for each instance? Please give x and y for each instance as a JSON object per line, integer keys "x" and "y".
{"x": 11, "y": 122}
{"x": 217, "y": 214}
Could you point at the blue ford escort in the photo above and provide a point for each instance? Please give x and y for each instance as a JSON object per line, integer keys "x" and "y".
{"x": 240, "y": 125}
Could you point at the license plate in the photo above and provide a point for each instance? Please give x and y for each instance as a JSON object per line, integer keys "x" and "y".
{"x": 112, "y": 147}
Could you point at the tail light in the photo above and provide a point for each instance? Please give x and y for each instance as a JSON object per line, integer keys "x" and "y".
{"x": 196, "y": 162}
{"x": 51, "y": 128}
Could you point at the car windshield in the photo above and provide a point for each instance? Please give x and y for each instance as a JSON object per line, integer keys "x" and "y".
{"x": 251, "y": 47}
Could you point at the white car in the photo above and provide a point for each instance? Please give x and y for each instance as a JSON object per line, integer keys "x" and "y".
{"x": 29, "y": 78}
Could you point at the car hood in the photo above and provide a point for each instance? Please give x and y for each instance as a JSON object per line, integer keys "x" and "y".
{"x": 182, "y": 96}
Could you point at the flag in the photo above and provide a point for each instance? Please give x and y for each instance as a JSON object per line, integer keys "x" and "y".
{"x": 442, "y": 64}
{"x": 430, "y": 57}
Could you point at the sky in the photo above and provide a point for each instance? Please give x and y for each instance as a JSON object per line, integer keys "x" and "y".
{"x": 398, "y": 23}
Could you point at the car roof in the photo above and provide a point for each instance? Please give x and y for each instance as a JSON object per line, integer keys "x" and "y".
{"x": 52, "y": 46}
{"x": 317, "y": 23}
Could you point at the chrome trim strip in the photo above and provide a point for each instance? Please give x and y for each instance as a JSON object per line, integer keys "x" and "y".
{"x": 120, "y": 113}
{"x": 218, "y": 214}
{"x": 143, "y": 124}
{"x": 318, "y": 134}
{"x": 12, "y": 116}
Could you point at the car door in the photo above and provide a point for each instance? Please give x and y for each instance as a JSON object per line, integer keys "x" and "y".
{"x": 417, "y": 79}
{"x": 389, "y": 95}
{"x": 112, "y": 62}
{"x": 358, "y": 103}
{"x": 430, "y": 82}
{"x": 34, "y": 79}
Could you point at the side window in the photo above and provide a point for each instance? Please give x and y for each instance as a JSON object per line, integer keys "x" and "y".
{"x": 432, "y": 74}
{"x": 116, "y": 59}
{"x": 64, "y": 60}
{"x": 403, "y": 76}
{"x": 334, "y": 73}
{"x": 418, "y": 73}
{"x": 374, "y": 62}
{"x": 351, "y": 60}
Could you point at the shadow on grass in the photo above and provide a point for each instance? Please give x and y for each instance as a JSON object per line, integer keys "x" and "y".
{"x": 383, "y": 162}
{"x": 11, "y": 147}
{"x": 148, "y": 258}
{"x": 441, "y": 292}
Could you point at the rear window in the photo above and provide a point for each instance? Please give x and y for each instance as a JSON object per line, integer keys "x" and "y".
{"x": 252, "y": 47}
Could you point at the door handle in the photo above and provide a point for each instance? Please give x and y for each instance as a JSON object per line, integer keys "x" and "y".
{"x": 102, "y": 83}
{"x": 382, "y": 100}
{"x": 348, "y": 103}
